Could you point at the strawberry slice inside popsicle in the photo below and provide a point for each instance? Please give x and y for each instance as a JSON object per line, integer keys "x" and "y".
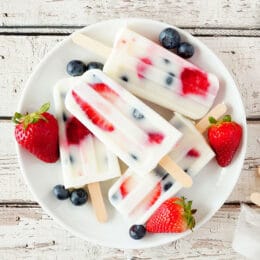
{"x": 92, "y": 114}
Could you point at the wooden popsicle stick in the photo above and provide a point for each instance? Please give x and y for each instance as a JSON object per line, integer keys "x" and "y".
{"x": 97, "y": 201}
{"x": 255, "y": 198}
{"x": 218, "y": 111}
{"x": 258, "y": 170}
{"x": 91, "y": 44}
{"x": 176, "y": 171}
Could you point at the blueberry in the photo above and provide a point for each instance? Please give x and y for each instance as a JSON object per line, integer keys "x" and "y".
{"x": 167, "y": 186}
{"x": 60, "y": 192}
{"x": 185, "y": 50}
{"x": 78, "y": 197}
{"x": 169, "y": 78}
{"x": 124, "y": 78}
{"x": 137, "y": 114}
{"x": 71, "y": 159}
{"x": 76, "y": 68}
{"x": 166, "y": 61}
{"x": 169, "y": 38}
{"x": 64, "y": 117}
{"x": 95, "y": 65}
{"x": 137, "y": 231}
{"x": 134, "y": 156}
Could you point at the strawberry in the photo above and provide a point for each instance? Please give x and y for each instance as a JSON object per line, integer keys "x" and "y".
{"x": 224, "y": 137}
{"x": 194, "y": 82}
{"x": 155, "y": 138}
{"x": 193, "y": 153}
{"x": 75, "y": 131}
{"x": 104, "y": 90}
{"x": 92, "y": 114}
{"x": 174, "y": 215}
{"x": 153, "y": 196}
{"x": 38, "y": 133}
{"x": 142, "y": 66}
{"x": 126, "y": 186}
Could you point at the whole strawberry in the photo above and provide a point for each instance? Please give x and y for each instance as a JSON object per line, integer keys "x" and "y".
{"x": 224, "y": 137}
{"x": 174, "y": 215}
{"x": 38, "y": 133}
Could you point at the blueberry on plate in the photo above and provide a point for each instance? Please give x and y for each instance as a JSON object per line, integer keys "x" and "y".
{"x": 185, "y": 50}
{"x": 137, "y": 231}
{"x": 60, "y": 192}
{"x": 76, "y": 68}
{"x": 169, "y": 38}
{"x": 78, "y": 197}
{"x": 95, "y": 65}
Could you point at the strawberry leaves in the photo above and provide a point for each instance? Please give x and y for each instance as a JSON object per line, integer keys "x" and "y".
{"x": 31, "y": 118}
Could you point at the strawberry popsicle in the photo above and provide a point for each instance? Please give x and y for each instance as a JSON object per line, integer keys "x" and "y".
{"x": 134, "y": 132}
{"x": 156, "y": 74}
{"x": 137, "y": 197}
{"x": 84, "y": 159}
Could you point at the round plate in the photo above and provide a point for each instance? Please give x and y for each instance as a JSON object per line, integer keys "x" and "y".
{"x": 211, "y": 187}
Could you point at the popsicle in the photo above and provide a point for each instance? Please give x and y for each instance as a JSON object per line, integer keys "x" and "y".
{"x": 130, "y": 129}
{"x": 156, "y": 74}
{"x": 137, "y": 197}
{"x": 84, "y": 159}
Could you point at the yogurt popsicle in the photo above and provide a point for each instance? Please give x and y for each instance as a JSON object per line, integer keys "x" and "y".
{"x": 84, "y": 159}
{"x": 129, "y": 128}
{"x": 156, "y": 74}
{"x": 137, "y": 197}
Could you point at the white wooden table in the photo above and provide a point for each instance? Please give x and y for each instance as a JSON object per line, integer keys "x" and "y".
{"x": 30, "y": 28}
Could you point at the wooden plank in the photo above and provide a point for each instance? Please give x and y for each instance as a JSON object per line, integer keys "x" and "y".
{"x": 29, "y": 233}
{"x": 234, "y": 14}
{"x": 20, "y": 54}
{"x": 13, "y": 188}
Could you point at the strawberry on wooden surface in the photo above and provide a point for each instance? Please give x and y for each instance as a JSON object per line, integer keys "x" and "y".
{"x": 38, "y": 133}
{"x": 224, "y": 137}
{"x": 175, "y": 215}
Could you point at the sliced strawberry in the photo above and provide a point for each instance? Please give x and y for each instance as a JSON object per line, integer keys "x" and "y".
{"x": 153, "y": 196}
{"x": 92, "y": 114}
{"x": 142, "y": 66}
{"x": 193, "y": 153}
{"x": 155, "y": 138}
{"x": 75, "y": 131}
{"x": 126, "y": 186}
{"x": 194, "y": 82}
{"x": 105, "y": 91}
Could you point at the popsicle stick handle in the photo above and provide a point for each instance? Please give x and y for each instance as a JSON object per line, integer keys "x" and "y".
{"x": 91, "y": 44}
{"x": 218, "y": 111}
{"x": 255, "y": 198}
{"x": 97, "y": 201}
{"x": 258, "y": 170}
{"x": 176, "y": 171}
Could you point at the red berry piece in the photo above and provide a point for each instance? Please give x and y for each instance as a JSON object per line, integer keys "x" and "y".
{"x": 193, "y": 153}
{"x": 92, "y": 114}
{"x": 155, "y": 138}
{"x": 75, "y": 131}
{"x": 142, "y": 66}
{"x": 194, "y": 82}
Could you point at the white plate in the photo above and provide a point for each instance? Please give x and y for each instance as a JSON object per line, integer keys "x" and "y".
{"x": 211, "y": 187}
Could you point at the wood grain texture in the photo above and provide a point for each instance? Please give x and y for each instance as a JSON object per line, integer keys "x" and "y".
{"x": 19, "y": 55}
{"x": 13, "y": 188}
{"x": 214, "y": 13}
{"x": 30, "y": 233}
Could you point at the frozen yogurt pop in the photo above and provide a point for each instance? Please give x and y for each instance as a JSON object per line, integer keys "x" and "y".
{"x": 133, "y": 131}
{"x": 155, "y": 74}
{"x": 137, "y": 197}
{"x": 84, "y": 159}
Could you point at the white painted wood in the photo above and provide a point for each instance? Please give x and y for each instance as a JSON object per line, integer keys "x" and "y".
{"x": 204, "y": 13}
{"x": 13, "y": 188}
{"x": 30, "y": 233}
{"x": 19, "y": 55}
